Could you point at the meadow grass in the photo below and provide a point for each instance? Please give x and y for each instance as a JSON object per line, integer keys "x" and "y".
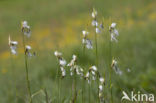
{"x": 50, "y": 27}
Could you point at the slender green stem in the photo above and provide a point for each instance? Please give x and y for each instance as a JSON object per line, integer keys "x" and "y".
{"x": 110, "y": 73}
{"x": 58, "y": 84}
{"x": 75, "y": 92}
{"x": 83, "y": 91}
{"x": 83, "y": 81}
{"x": 74, "y": 88}
{"x": 60, "y": 90}
{"x": 27, "y": 72}
{"x": 46, "y": 96}
{"x": 96, "y": 49}
{"x": 97, "y": 64}
{"x": 98, "y": 86}
{"x": 89, "y": 91}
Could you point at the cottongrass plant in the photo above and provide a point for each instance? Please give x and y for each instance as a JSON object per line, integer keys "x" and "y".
{"x": 13, "y": 46}
{"x": 113, "y": 38}
{"x": 101, "y": 89}
{"x": 115, "y": 67}
{"x": 26, "y": 31}
{"x": 13, "y": 51}
{"x": 86, "y": 41}
{"x": 62, "y": 64}
{"x": 76, "y": 71}
{"x": 98, "y": 30}
{"x": 91, "y": 76}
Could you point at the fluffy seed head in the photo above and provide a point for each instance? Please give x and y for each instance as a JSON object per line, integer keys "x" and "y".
{"x": 28, "y": 47}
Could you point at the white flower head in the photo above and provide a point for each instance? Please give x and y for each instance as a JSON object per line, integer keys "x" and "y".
{"x": 113, "y": 38}
{"x": 13, "y": 46}
{"x": 87, "y": 75}
{"x": 57, "y": 54}
{"x": 63, "y": 71}
{"x": 62, "y": 62}
{"x": 94, "y": 68}
{"x": 74, "y": 57}
{"x": 26, "y": 29}
{"x": 85, "y": 33}
{"x": 113, "y": 32}
{"x": 114, "y": 62}
{"x": 113, "y": 25}
{"x": 97, "y": 30}
{"x": 28, "y": 47}
{"x": 101, "y": 80}
{"x": 116, "y": 32}
{"x": 94, "y": 13}
{"x": 94, "y": 23}
{"x": 24, "y": 24}
{"x": 115, "y": 67}
{"x": 89, "y": 44}
{"x": 93, "y": 72}
{"x": 27, "y": 51}
{"x": 100, "y": 87}
{"x": 73, "y": 61}
{"x": 128, "y": 70}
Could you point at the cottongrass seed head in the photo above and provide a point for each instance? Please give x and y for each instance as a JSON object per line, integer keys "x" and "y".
{"x": 75, "y": 68}
{"x": 113, "y": 32}
{"x": 13, "y": 46}
{"x": 62, "y": 62}
{"x": 27, "y": 51}
{"x": 101, "y": 86}
{"x": 26, "y": 28}
{"x": 87, "y": 43}
{"x": 115, "y": 67}
{"x": 91, "y": 74}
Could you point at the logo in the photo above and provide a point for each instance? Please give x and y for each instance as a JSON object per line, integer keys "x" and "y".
{"x": 138, "y": 97}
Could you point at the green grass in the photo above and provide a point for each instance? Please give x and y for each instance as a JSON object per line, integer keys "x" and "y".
{"x": 135, "y": 50}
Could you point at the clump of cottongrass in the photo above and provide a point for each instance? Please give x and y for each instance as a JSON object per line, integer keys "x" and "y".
{"x": 98, "y": 27}
{"x": 101, "y": 89}
{"x": 13, "y": 46}
{"x": 26, "y": 31}
{"x": 115, "y": 67}
{"x": 87, "y": 42}
{"x": 26, "y": 28}
{"x": 75, "y": 68}
{"x": 91, "y": 74}
{"x": 62, "y": 63}
{"x": 113, "y": 32}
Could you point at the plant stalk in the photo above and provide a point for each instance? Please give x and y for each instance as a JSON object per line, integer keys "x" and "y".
{"x": 27, "y": 72}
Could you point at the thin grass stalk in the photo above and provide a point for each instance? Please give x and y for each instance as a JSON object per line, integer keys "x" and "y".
{"x": 46, "y": 96}
{"x": 58, "y": 83}
{"x": 26, "y": 69}
{"x": 89, "y": 90}
{"x": 12, "y": 72}
{"x": 96, "y": 49}
{"x": 97, "y": 64}
{"x": 110, "y": 73}
{"x": 75, "y": 92}
{"x": 83, "y": 81}
{"x": 74, "y": 88}
{"x": 60, "y": 90}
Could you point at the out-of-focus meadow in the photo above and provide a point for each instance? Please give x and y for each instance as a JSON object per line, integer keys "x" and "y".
{"x": 58, "y": 25}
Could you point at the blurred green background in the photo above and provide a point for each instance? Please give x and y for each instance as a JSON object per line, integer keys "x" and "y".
{"x": 57, "y": 25}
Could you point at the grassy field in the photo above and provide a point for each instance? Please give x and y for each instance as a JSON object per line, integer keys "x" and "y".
{"x": 57, "y": 25}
